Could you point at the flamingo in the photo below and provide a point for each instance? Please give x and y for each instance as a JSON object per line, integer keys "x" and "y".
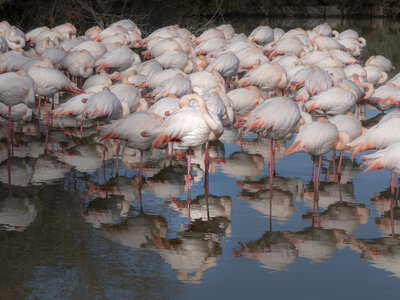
{"x": 95, "y": 49}
{"x": 318, "y": 138}
{"x": 262, "y": 35}
{"x": 335, "y": 101}
{"x": 226, "y": 63}
{"x": 191, "y": 127}
{"x": 16, "y": 88}
{"x": 176, "y": 59}
{"x": 351, "y": 126}
{"x": 15, "y": 38}
{"x": 318, "y": 81}
{"x": 375, "y": 75}
{"x": 387, "y": 158}
{"x": 274, "y": 119}
{"x": 209, "y": 34}
{"x": 79, "y": 64}
{"x": 268, "y": 77}
{"x": 147, "y": 127}
{"x": 381, "y": 62}
{"x": 379, "y": 136}
{"x": 118, "y": 59}
{"x": 67, "y": 30}
{"x": 210, "y": 45}
{"x": 55, "y": 55}
{"x": 245, "y": 99}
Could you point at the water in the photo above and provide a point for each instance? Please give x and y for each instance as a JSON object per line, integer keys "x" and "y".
{"x": 67, "y": 234}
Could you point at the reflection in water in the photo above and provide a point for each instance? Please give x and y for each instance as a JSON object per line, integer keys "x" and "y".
{"x": 382, "y": 253}
{"x": 272, "y": 250}
{"x": 261, "y": 146}
{"x": 109, "y": 210}
{"x": 315, "y": 243}
{"x": 191, "y": 255}
{"x": 241, "y": 164}
{"x": 16, "y": 213}
{"x": 281, "y": 205}
{"x": 350, "y": 169}
{"x": 343, "y": 216}
{"x": 330, "y": 193}
{"x": 389, "y": 223}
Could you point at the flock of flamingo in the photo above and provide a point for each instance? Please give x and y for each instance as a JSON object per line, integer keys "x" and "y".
{"x": 177, "y": 92}
{"x": 185, "y": 89}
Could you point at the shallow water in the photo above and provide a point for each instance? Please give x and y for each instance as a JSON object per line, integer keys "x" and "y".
{"x": 68, "y": 233}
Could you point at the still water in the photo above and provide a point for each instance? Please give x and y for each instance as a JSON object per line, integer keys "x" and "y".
{"x": 74, "y": 229}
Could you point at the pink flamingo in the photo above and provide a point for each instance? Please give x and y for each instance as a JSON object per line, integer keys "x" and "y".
{"x": 318, "y": 138}
{"x": 191, "y": 127}
{"x": 147, "y": 126}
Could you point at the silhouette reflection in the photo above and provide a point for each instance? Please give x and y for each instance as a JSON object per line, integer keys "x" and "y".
{"x": 16, "y": 214}
{"x": 383, "y": 253}
{"x": 273, "y": 251}
{"x": 285, "y": 191}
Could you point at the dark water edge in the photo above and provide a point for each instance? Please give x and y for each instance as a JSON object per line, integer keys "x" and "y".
{"x": 156, "y": 13}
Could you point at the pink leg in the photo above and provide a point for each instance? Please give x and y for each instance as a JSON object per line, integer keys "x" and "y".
{"x": 319, "y": 169}
{"x": 334, "y": 163}
{"x": 189, "y": 176}
{"x": 118, "y": 148}
{"x": 241, "y": 139}
{"x": 271, "y": 173}
{"x": 46, "y": 139}
{"x": 206, "y": 192}
{"x": 206, "y": 154}
{"x": 104, "y": 149}
{"x": 81, "y": 126}
{"x": 273, "y": 156}
{"x": 39, "y": 105}
{"x": 45, "y": 107}
{"x": 313, "y": 170}
{"x": 392, "y": 185}
{"x": 339, "y": 171}
{"x": 189, "y": 179}
{"x": 140, "y": 169}
{"x": 9, "y": 132}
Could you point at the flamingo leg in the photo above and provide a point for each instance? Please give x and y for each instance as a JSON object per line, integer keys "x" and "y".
{"x": 241, "y": 139}
{"x": 189, "y": 177}
{"x": 9, "y": 132}
{"x": 47, "y": 113}
{"x": 39, "y": 105}
{"x": 81, "y": 131}
{"x": 271, "y": 174}
{"x": 206, "y": 191}
{"x": 104, "y": 149}
{"x": 273, "y": 156}
{"x": 334, "y": 163}
{"x": 46, "y": 139}
{"x": 118, "y": 149}
{"x": 206, "y": 156}
{"x": 140, "y": 169}
{"x": 392, "y": 184}
{"x": 12, "y": 139}
{"x": 339, "y": 171}
{"x": 319, "y": 170}
{"x": 313, "y": 170}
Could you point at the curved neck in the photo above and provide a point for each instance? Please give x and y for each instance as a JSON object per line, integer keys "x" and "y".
{"x": 211, "y": 123}
{"x": 364, "y": 85}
